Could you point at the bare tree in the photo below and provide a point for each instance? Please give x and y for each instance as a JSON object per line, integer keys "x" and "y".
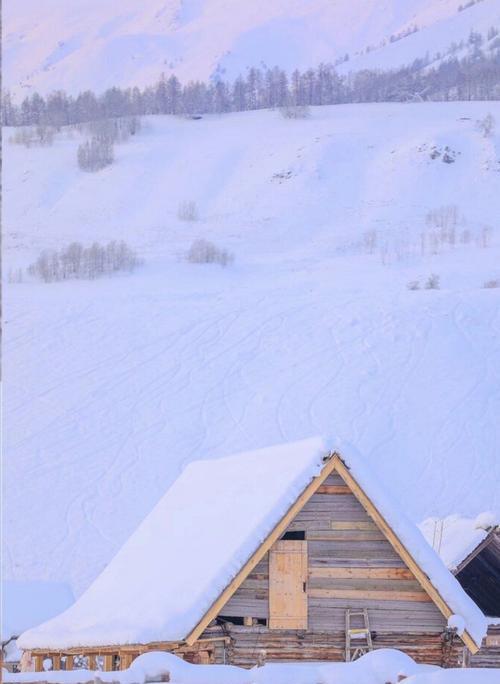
{"x": 188, "y": 211}
{"x": 295, "y": 112}
{"x": 205, "y": 252}
{"x": 432, "y": 282}
{"x": 95, "y": 154}
{"x": 486, "y": 126}
{"x": 77, "y": 262}
{"x": 29, "y": 136}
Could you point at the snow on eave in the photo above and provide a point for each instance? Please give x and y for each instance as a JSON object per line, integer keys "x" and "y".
{"x": 434, "y": 572}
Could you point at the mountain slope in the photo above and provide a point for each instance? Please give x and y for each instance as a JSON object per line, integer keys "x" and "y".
{"x": 112, "y": 385}
{"x": 77, "y": 45}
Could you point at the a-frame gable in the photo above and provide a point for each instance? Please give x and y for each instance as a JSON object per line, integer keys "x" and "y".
{"x": 334, "y": 465}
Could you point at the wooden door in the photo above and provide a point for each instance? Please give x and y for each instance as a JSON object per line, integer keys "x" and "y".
{"x": 288, "y": 585}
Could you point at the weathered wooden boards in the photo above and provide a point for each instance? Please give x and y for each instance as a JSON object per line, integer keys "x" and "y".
{"x": 489, "y": 654}
{"x": 348, "y": 559}
{"x": 248, "y": 645}
{"x": 350, "y": 564}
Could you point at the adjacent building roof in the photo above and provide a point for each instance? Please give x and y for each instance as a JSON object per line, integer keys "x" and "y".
{"x": 201, "y": 539}
{"x": 455, "y": 538}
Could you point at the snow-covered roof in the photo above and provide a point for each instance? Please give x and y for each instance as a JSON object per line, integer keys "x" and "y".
{"x": 187, "y": 549}
{"x": 456, "y": 537}
{"x": 26, "y": 604}
{"x": 198, "y": 537}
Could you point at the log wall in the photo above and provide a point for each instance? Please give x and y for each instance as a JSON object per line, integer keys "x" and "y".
{"x": 489, "y": 653}
{"x": 248, "y": 646}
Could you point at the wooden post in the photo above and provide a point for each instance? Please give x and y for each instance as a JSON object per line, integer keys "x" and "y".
{"x": 38, "y": 663}
{"x": 125, "y": 660}
{"x": 108, "y": 663}
{"x": 248, "y": 621}
{"x": 69, "y": 662}
{"x": 56, "y": 661}
{"x": 91, "y": 662}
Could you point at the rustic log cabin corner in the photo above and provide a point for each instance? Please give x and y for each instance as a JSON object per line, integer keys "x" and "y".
{"x": 317, "y": 564}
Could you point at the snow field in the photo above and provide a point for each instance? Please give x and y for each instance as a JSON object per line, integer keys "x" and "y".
{"x": 113, "y": 386}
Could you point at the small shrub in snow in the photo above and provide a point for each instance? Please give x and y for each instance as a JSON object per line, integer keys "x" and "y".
{"x": 95, "y": 154}
{"x": 449, "y": 156}
{"x": 492, "y": 284}
{"x": 486, "y": 126}
{"x": 432, "y": 282}
{"x": 295, "y": 112}
{"x": 413, "y": 285}
{"x": 188, "y": 211}
{"x": 29, "y": 136}
{"x": 370, "y": 241}
{"x": 484, "y": 238}
{"x": 78, "y": 262}
{"x": 114, "y": 130}
{"x": 205, "y": 252}
{"x": 15, "y": 275}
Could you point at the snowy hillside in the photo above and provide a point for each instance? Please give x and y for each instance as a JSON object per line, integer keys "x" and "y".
{"x": 112, "y": 385}
{"x": 77, "y": 45}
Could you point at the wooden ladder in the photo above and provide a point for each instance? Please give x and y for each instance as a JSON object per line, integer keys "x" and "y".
{"x": 363, "y": 634}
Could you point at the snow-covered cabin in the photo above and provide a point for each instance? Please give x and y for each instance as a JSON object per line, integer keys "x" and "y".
{"x": 470, "y": 548}
{"x": 267, "y": 555}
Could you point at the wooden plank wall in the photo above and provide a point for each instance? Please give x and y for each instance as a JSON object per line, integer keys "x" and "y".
{"x": 489, "y": 653}
{"x": 350, "y": 565}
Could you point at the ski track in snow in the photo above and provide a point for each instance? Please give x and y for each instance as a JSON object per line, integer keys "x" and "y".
{"x": 113, "y": 386}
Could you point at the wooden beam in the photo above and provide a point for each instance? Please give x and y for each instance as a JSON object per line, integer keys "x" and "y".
{"x": 259, "y": 554}
{"x": 352, "y": 525}
{"x": 248, "y": 621}
{"x": 125, "y": 660}
{"x": 39, "y": 658}
{"x": 91, "y": 661}
{"x": 424, "y": 581}
{"x": 113, "y": 649}
{"x": 108, "y": 662}
{"x": 345, "y": 535}
{"x": 69, "y": 662}
{"x": 334, "y": 489}
{"x": 370, "y": 595}
{"x": 361, "y": 573}
{"x": 56, "y": 661}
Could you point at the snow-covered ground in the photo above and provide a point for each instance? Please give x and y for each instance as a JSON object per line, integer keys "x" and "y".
{"x": 383, "y": 666}
{"x": 112, "y": 386}
{"x": 80, "y": 44}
